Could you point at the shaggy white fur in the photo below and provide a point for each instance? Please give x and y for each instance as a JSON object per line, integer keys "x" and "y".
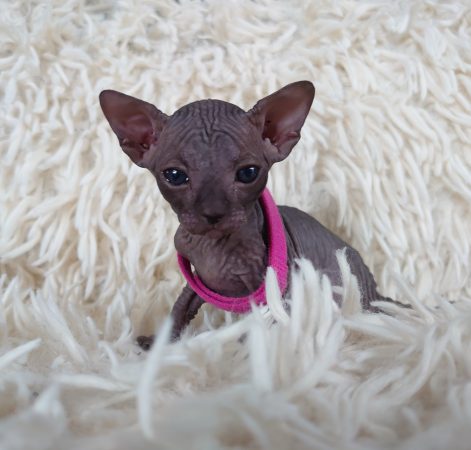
{"x": 87, "y": 260}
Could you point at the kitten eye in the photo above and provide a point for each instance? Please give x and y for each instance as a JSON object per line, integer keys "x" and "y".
{"x": 247, "y": 174}
{"x": 175, "y": 177}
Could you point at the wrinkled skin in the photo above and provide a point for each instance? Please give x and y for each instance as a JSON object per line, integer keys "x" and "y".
{"x": 221, "y": 232}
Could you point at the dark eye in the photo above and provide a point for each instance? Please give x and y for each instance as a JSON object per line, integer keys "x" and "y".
{"x": 175, "y": 177}
{"x": 247, "y": 174}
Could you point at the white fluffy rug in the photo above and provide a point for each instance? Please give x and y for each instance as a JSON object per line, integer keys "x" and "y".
{"x": 86, "y": 252}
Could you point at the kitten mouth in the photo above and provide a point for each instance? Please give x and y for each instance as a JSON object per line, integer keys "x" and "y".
{"x": 212, "y": 231}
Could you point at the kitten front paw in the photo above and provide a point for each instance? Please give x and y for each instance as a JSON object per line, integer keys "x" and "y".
{"x": 145, "y": 342}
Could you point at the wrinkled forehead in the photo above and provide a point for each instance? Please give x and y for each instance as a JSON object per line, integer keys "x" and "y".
{"x": 210, "y": 128}
{"x": 208, "y": 114}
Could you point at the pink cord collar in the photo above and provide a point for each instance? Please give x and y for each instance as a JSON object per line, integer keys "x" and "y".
{"x": 277, "y": 258}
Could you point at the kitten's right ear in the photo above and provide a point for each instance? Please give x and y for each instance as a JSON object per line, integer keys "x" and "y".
{"x": 280, "y": 117}
{"x": 137, "y": 124}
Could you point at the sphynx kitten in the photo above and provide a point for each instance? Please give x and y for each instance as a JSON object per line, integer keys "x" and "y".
{"x": 211, "y": 161}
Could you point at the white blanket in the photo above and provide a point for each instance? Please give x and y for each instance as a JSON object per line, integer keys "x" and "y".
{"x": 86, "y": 252}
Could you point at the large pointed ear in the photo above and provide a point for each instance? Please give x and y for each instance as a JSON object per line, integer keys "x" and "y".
{"x": 280, "y": 116}
{"x": 137, "y": 123}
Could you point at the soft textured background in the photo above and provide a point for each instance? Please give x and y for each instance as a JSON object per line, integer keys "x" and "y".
{"x": 86, "y": 252}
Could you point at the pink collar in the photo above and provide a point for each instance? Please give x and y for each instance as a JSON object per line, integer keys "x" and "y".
{"x": 277, "y": 258}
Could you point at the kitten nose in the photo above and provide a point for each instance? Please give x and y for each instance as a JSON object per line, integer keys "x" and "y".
{"x": 213, "y": 219}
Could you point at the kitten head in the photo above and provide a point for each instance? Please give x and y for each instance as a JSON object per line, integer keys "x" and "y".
{"x": 210, "y": 158}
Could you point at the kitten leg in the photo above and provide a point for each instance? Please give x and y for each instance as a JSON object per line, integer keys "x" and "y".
{"x": 184, "y": 310}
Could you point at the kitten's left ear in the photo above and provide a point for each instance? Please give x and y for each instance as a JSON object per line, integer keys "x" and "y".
{"x": 280, "y": 116}
{"x": 136, "y": 123}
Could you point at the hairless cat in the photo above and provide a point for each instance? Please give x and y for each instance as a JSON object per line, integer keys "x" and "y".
{"x": 211, "y": 161}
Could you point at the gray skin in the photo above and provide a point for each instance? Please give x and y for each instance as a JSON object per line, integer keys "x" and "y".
{"x": 222, "y": 229}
